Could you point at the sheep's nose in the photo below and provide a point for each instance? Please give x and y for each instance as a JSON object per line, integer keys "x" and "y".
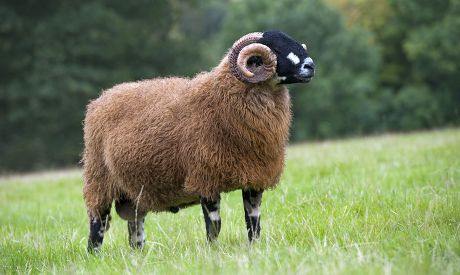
{"x": 308, "y": 64}
{"x": 307, "y": 70}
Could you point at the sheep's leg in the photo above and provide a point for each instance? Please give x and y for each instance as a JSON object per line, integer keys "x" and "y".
{"x": 98, "y": 225}
{"x": 136, "y": 233}
{"x": 211, "y": 217}
{"x": 252, "y": 200}
{"x": 127, "y": 210}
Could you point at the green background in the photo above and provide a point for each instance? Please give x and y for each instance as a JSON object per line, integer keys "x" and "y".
{"x": 381, "y": 65}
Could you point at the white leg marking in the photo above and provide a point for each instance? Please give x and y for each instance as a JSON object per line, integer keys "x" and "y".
{"x": 254, "y": 212}
{"x": 97, "y": 247}
{"x": 137, "y": 237}
{"x": 214, "y": 215}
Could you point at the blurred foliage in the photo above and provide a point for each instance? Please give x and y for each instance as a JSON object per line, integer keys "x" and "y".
{"x": 337, "y": 102}
{"x": 386, "y": 65}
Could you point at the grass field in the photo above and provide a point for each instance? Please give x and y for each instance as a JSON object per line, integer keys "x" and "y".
{"x": 378, "y": 205}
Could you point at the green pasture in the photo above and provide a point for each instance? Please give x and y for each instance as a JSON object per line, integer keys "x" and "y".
{"x": 378, "y": 205}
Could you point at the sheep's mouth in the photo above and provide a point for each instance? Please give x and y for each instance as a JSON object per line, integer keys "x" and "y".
{"x": 305, "y": 76}
{"x": 294, "y": 79}
{"x": 301, "y": 79}
{"x": 304, "y": 79}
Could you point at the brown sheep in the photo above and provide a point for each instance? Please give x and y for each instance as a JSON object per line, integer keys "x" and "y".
{"x": 168, "y": 143}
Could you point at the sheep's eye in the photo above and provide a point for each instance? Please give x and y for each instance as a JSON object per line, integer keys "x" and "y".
{"x": 255, "y": 61}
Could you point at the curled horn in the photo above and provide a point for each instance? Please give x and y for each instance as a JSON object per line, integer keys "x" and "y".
{"x": 245, "y": 48}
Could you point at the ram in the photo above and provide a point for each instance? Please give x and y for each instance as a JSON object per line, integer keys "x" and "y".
{"x": 168, "y": 143}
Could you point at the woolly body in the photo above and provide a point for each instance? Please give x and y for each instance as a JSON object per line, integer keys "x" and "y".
{"x": 162, "y": 143}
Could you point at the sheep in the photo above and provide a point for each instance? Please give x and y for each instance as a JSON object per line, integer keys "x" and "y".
{"x": 168, "y": 143}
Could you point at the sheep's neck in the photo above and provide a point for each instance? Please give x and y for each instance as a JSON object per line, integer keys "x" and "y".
{"x": 257, "y": 114}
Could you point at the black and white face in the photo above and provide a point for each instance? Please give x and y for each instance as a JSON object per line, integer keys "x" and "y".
{"x": 293, "y": 63}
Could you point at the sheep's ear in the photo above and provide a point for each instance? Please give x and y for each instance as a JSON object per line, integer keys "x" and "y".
{"x": 256, "y": 63}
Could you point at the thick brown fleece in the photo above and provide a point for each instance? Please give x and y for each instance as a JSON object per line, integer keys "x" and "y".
{"x": 176, "y": 139}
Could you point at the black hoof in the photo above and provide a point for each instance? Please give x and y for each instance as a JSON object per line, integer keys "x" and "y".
{"x": 174, "y": 209}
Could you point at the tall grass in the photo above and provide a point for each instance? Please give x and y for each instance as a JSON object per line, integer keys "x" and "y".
{"x": 379, "y": 205}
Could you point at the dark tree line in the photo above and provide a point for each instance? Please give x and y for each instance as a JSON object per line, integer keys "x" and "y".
{"x": 397, "y": 70}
